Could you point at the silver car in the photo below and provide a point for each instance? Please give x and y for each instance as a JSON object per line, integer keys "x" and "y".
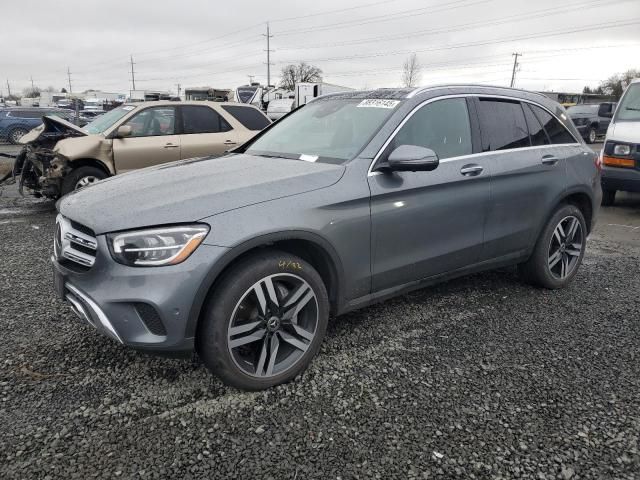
{"x": 353, "y": 198}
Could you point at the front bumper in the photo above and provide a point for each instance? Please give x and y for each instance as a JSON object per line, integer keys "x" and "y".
{"x": 108, "y": 298}
{"x": 625, "y": 179}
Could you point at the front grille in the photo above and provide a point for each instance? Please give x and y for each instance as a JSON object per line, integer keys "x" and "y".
{"x": 151, "y": 318}
{"x": 74, "y": 243}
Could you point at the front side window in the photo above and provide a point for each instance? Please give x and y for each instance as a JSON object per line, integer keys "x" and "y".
{"x": 203, "y": 119}
{"x": 249, "y": 117}
{"x": 556, "y": 131}
{"x": 327, "y": 130}
{"x": 503, "y": 125}
{"x": 443, "y": 126}
{"x": 536, "y": 132}
{"x": 629, "y": 108}
{"x": 153, "y": 122}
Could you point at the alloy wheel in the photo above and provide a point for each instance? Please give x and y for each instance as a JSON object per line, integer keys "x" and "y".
{"x": 86, "y": 181}
{"x": 273, "y": 325}
{"x": 592, "y": 136}
{"x": 565, "y": 247}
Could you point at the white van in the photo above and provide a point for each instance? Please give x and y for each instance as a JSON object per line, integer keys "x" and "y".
{"x": 621, "y": 152}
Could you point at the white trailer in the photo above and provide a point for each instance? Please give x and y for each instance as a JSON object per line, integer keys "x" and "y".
{"x": 305, "y": 92}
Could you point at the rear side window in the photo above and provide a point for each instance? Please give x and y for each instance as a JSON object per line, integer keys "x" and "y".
{"x": 503, "y": 125}
{"x": 443, "y": 126}
{"x": 198, "y": 119}
{"x": 556, "y": 131}
{"x": 249, "y": 117}
{"x": 536, "y": 132}
{"x": 25, "y": 114}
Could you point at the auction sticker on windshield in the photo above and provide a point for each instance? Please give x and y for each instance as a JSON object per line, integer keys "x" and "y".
{"x": 378, "y": 103}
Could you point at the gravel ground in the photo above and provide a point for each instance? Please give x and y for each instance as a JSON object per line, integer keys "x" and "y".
{"x": 482, "y": 377}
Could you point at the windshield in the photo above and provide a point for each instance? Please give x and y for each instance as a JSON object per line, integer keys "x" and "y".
{"x": 629, "y": 108}
{"x": 583, "y": 109}
{"x": 331, "y": 130}
{"x": 246, "y": 94}
{"x": 103, "y": 122}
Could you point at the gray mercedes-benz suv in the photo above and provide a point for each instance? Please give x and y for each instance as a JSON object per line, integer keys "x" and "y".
{"x": 346, "y": 201}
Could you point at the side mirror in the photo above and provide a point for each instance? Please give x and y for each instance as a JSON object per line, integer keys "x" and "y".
{"x": 412, "y": 158}
{"x": 124, "y": 131}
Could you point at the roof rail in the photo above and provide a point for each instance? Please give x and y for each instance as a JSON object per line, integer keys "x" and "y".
{"x": 420, "y": 90}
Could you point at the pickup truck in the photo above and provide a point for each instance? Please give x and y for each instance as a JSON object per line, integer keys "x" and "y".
{"x": 592, "y": 120}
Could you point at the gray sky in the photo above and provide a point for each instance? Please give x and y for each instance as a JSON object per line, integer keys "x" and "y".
{"x": 566, "y": 43}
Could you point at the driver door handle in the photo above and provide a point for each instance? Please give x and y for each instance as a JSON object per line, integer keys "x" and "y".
{"x": 171, "y": 145}
{"x": 230, "y": 142}
{"x": 549, "y": 160}
{"x": 471, "y": 170}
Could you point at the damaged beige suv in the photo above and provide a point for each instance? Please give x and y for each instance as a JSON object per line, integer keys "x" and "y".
{"x": 59, "y": 157}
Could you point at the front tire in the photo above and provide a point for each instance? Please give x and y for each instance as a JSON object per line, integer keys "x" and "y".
{"x": 559, "y": 250}
{"x": 592, "y": 135}
{"x": 80, "y": 178}
{"x": 264, "y": 322}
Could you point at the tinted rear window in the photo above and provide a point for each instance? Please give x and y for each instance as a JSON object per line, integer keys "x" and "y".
{"x": 536, "y": 132}
{"x": 503, "y": 125}
{"x": 198, "y": 119}
{"x": 249, "y": 117}
{"x": 556, "y": 131}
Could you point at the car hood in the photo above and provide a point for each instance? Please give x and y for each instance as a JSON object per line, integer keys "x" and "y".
{"x": 624, "y": 132}
{"x": 190, "y": 190}
{"x": 52, "y": 124}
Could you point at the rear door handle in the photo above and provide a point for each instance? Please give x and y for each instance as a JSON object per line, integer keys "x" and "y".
{"x": 549, "y": 160}
{"x": 229, "y": 142}
{"x": 171, "y": 145}
{"x": 471, "y": 170}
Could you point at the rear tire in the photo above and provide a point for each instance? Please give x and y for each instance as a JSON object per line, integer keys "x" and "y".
{"x": 81, "y": 177}
{"x": 559, "y": 250}
{"x": 243, "y": 324}
{"x": 592, "y": 135}
{"x": 608, "y": 197}
{"x": 16, "y": 134}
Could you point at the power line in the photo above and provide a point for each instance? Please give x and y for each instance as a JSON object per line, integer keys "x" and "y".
{"x": 548, "y": 33}
{"x": 327, "y": 12}
{"x": 465, "y": 26}
{"x": 387, "y": 17}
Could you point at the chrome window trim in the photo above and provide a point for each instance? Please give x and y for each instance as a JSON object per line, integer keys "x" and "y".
{"x": 371, "y": 173}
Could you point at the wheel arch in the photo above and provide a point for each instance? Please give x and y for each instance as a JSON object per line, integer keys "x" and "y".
{"x": 89, "y": 162}
{"x": 578, "y": 197}
{"x": 307, "y": 245}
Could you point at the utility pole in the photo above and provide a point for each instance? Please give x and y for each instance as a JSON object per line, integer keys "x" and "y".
{"x": 178, "y": 85}
{"x": 250, "y": 79}
{"x": 515, "y": 68}
{"x": 32, "y": 85}
{"x": 268, "y": 50}
{"x": 133, "y": 74}
{"x": 8, "y": 87}
{"x": 69, "y": 77}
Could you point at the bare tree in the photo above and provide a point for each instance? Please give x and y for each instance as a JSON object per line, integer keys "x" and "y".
{"x": 303, "y": 72}
{"x": 411, "y": 71}
{"x": 31, "y": 92}
{"x": 615, "y": 85}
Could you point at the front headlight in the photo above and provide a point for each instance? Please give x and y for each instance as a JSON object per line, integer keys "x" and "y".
{"x": 622, "y": 150}
{"x": 157, "y": 246}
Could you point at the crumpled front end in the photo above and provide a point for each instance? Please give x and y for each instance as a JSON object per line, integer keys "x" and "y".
{"x": 37, "y": 167}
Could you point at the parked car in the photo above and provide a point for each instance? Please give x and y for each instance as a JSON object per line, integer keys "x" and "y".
{"x": 279, "y": 108}
{"x": 16, "y": 122}
{"x": 62, "y": 157}
{"x": 621, "y": 152}
{"x": 349, "y": 200}
{"x": 592, "y": 120}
